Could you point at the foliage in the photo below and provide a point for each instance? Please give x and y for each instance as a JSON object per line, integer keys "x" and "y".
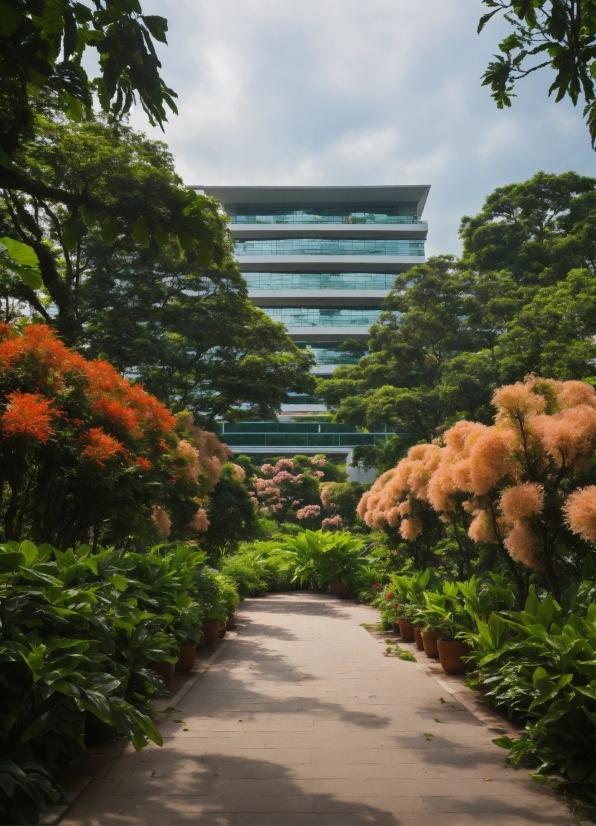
{"x": 341, "y": 500}
{"x": 259, "y": 567}
{"x": 42, "y": 47}
{"x": 520, "y": 300}
{"x": 504, "y": 485}
{"x": 79, "y": 632}
{"x": 556, "y": 33}
{"x": 539, "y": 664}
{"x": 231, "y": 512}
{"x": 324, "y": 557}
{"x": 174, "y": 313}
{"x": 289, "y": 490}
{"x": 85, "y": 453}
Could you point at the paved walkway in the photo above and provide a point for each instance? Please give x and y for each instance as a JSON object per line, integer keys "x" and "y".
{"x": 302, "y": 721}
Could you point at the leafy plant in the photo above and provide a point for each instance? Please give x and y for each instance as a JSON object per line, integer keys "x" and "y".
{"x": 324, "y": 557}
{"x": 540, "y": 665}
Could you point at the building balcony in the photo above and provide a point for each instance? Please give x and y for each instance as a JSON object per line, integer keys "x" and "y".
{"x": 317, "y": 298}
{"x": 418, "y": 231}
{"x": 331, "y": 263}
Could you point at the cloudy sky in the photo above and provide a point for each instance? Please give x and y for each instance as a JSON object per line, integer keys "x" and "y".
{"x": 356, "y": 92}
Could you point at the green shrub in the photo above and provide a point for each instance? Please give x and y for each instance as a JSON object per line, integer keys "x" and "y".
{"x": 79, "y": 631}
{"x": 259, "y": 567}
{"x": 540, "y": 666}
{"x": 326, "y": 556}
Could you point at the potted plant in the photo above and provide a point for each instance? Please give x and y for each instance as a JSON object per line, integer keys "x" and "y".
{"x": 444, "y": 617}
{"x": 332, "y": 558}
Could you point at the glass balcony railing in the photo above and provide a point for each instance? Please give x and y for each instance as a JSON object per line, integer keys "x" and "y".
{"x": 302, "y": 439}
{"x": 330, "y": 246}
{"x": 286, "y": 427}
{"x": 323, "y": 316}
{"x": 300, "y": 216}
{"x": 328, "y": 356}
{"x": 319, "y": 280}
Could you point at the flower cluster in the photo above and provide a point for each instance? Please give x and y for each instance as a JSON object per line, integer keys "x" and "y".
{"x": 102, "y": 446}
{"x": 512, "y": 478}
{"x": 284, "y": 489}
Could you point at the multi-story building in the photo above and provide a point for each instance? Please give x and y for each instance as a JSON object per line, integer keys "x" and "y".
{"x": 322, "y": 259}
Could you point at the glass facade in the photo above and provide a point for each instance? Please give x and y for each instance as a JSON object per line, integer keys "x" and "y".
{"x": 319, "y": 280}
{"x": 260, "y": 215}
{"x": 322, "y": 316}
{"x": 330, "y": 246}
{"x": 331, "y": 355}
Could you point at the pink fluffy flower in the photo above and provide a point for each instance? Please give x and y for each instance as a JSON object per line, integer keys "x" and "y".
{"x": 308, "y": 512}
{"x": 580, "y": 512}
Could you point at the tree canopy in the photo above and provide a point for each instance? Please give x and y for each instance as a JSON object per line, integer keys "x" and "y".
{"x": 521, "y": 299}
{"x": 556, "y": 33}
{"x": 172, "y": 313}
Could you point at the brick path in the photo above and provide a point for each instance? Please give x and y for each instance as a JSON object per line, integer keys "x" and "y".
{"x": 302, "y": 721}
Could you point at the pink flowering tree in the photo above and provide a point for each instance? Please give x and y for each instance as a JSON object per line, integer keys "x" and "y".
{"x": 523, "y": 481}
{"x": 289, "y": 490}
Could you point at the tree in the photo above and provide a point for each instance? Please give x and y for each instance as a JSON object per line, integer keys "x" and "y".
{"x": 178, "y": 320}
{"x": 131, "y": 179}
{"x": 42, "y": 46}
{"x": 520, "y": 300}
{"x": 516, "y": 485}
{"x": 536, "y": 230}
{"x": 556, "y": 33}
{"x": 85, "y": 455}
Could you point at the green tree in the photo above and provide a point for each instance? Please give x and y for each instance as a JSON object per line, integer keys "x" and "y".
{"x": 42, "y": 46}
{"x": 177, "y": 318}
{"x": 536, "y": 230}
{"x": 520, "y": 300}
{"x": 556, "y": 33}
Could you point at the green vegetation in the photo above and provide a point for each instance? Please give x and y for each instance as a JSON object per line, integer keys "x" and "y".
{"x": 80, "y": 630}
{"x": 537, "y": 664}
{"x": 520, "y": 300}
{"x": 556, "y": 33}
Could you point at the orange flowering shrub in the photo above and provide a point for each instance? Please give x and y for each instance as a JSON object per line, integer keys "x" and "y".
{"x": 86, "y": 454}
{"x": 514, "y": 484}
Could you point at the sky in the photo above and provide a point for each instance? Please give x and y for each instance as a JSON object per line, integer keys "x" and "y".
{"x": 354, "y": 92}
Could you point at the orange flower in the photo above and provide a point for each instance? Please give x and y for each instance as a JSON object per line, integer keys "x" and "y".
{"x": 143, "y": 464}
{"x": 100, "y": 446}
{"x": 117, "y": 414}
{"x": 28, "y": 415}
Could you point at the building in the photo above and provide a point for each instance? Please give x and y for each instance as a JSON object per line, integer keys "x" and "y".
{"x": 322, "y": 259}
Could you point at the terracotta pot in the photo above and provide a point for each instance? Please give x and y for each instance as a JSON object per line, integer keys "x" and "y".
{"x": 450, "y": 656}
{"x": 210, "y": 631}
{"x": 429, "y": 642}
{"x": 164, "y": 669}
{"x": 231, "y": 623}
{"x": 418, "y": 638}
{"x": 406, "y": 629}
{"x": 396, "y": 627}
{"x": 340, "y": 588}
{"x": 98, "y": 732}
{"x": 186, "y": 656}
{"x": 222, "y": 630}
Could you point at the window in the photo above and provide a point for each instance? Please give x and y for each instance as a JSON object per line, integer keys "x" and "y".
{"x": 323, "y": 316}
{"x": 319, "y": 280}
{"x": 330, "y": 246}
{"x": 259, "y": 215}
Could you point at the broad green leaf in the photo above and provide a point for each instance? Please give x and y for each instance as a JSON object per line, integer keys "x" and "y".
{"x": 26, "y": 262}
{"x": 29, "y": 551}
{"x": 140, "y": 232}
{"x": 10, "y": 19}
{"x": 119, "y": 582}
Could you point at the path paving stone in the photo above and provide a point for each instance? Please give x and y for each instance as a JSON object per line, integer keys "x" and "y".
{"x": 302, "y": 722}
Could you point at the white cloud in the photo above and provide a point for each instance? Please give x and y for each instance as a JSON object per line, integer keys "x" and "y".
{"x": 355, "y": 92}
